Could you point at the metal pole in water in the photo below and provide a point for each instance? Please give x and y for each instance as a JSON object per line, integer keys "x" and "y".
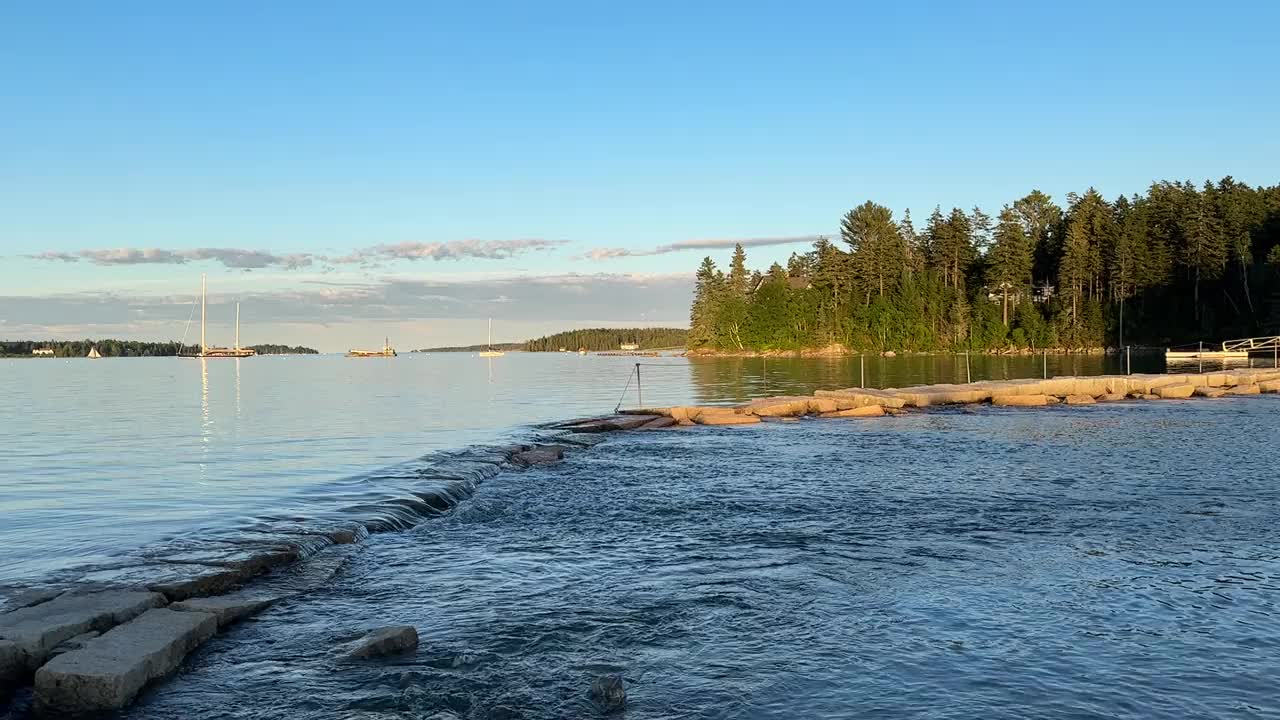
{"x": 968, "y": 376}
{"x": 639, "y": 395}
{"x": 862, "y": 370}
{"x": 1046, "y": 364}
{"x": 1128, "y": 364}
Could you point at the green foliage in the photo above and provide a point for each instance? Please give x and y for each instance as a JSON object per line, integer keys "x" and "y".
{"x": 122, "y": 348}
{"x": 606, "y": 339}
{"x": 270, "y": 349}
{"x": 1180, "y": 263}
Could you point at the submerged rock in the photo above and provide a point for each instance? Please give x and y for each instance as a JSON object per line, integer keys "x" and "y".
{"x": 1244, "y": 390}
{"x": 385, "y": 641}
{"x": 541, "y": 455}
{"x": 1020, "y": 400}
{"x": 109, "y": 670}
{"x": 609, "y": 693}
{"x": 1111, "y": 397}
{"x": 658, "y": 424}
{"x": 1080, "y": 400}
{"x": 1210, "y": 392}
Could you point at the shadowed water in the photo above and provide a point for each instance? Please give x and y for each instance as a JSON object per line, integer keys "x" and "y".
{"x": 1118, "y": 561}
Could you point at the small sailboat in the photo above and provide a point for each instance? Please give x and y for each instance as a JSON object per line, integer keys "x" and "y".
{"x": 93, "y": 353}
{"x": 489, "y": 351}
{"x": 386, "y": 351}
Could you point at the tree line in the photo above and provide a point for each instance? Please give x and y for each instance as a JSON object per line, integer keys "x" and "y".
{"x": 124, "y": 348}
{"x": 1177, "y": 264}
{"x": 605, "y": 339}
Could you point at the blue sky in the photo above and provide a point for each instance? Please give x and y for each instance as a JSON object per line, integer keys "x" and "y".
{"x": 511, "y": 140}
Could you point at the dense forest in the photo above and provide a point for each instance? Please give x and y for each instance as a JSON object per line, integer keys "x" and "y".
{"x": 1178, "y": 264}
{"x": 122, "y": 348}
{"x": 604, "y": 339}
{"x": 270, "y": 349}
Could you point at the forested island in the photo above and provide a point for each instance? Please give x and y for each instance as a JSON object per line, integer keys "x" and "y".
{"x": 1178, "y": 264}
{"x": 591, "y": 339}
{"x": 606, "y": 339}
{"x": 123, "y": 348}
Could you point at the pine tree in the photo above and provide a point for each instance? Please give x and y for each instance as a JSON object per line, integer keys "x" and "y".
{"x": 1011, "y": 259}
{"x": 878, "y": 252}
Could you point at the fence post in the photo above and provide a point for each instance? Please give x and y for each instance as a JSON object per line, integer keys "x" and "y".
{"x": 1128, "y": 364}
{"x": 862, "y": 370}
{"x": 1046, "y": 364}
{"x": 968, "y": 376}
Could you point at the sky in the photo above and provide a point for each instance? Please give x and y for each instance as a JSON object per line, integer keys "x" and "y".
{"x": 349, "y": 171}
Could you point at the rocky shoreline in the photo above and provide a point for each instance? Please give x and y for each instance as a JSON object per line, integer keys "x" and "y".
{"x": 90, "y": 642}
{"x": 867, "y": 402}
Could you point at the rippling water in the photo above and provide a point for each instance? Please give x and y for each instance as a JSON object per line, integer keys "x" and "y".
{"x": 1118, "y": 560}
{"x": 1108, "y": 561}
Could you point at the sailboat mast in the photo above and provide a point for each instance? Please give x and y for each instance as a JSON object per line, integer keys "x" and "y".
{"x": 490, "y": 333}
{"x": 202, "y": 312}
{"x": 237, "y": 324}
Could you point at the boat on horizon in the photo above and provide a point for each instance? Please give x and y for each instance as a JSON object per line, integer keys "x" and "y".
{"x": 93, "y": 353}
{"x": 210, "y": 351}
{"x": 489, "y": 351}
{"x": 386, "y": 351}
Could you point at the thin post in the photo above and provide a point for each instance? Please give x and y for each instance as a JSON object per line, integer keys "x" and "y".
{"x": 1128, "y": 365}
{"x": 639, "y": 394}
{"x": 1275, "y": 352}
{"x": 202, "y": 304}
{"x": 968, "y": 376}
{"x": 237, "y": 325}
{"x": 862, "y": 370}
{"x": 1046, "y": 364}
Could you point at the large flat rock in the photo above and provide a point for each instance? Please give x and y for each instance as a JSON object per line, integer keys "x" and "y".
{"x": 228, "y": 608}
{"x": 35, "y": 631}
{"x": 109, "y": 670}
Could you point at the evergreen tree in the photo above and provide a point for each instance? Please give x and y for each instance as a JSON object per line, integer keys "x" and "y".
{"x": 1011, "y": 260}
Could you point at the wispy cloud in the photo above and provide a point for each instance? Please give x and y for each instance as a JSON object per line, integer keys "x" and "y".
{"x": 240, "y": 259}
{"x": 451, "y": 250}
{"x": 609, "y": 253}
{"x": 230, "y": 257}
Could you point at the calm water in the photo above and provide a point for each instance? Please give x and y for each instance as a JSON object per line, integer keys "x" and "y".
{"x": 1119, "y": 560}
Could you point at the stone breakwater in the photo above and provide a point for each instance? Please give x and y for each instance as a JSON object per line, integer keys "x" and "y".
{"x": 865, "y": 402}
{"x": 90, "y": 641}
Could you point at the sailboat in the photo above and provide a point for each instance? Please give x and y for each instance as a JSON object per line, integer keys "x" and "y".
{"x": 386, "y": 351}
{"x": 489, "y": 351}
{"x": 93, "y": 353}
{"x": 209, "y": 351}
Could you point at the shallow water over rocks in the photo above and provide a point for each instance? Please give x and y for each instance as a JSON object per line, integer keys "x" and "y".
{"x": 1118, "y": 560}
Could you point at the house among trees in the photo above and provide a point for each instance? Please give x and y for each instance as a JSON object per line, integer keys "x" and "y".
{"x": 42, "y": 352}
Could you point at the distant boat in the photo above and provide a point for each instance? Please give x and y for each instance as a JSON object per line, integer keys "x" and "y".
{"x": 582, "y": 351}
{"x": 210, "y": 351}
{"x": 489, "y": 351}
{"x": 386, "y": 351}
{"x": 93, "y": 353}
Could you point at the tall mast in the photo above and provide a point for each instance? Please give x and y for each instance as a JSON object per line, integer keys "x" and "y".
{"x": 490, "y": 333}
{"x": 237, "y": 324}
{"x": 202, "y": 313}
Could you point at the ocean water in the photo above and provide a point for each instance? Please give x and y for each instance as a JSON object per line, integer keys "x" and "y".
{"x": 103, "y": 456}
{"x": 1119, "y": 560}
